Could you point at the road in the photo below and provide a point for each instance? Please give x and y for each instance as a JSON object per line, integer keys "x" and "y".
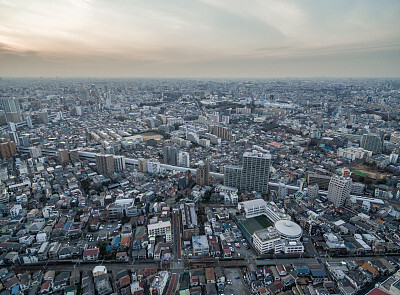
{"x": 177, "y": 235}
{"x": 83, "y": 267}
{"x": 173, "y": 284}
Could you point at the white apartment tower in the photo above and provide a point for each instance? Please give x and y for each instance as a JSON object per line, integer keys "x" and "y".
{"x": 255, "y": 173}
{"x": 339, "y": 190}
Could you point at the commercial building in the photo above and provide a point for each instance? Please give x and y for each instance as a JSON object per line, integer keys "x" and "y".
{"x": 189, "y": 221}
{"x": 339, "y": 190}
{"x": 159, "y": 283}
{"x": 200, "y": 245}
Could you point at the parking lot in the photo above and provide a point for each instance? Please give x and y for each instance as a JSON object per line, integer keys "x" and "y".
{"x": 238, "y": 286}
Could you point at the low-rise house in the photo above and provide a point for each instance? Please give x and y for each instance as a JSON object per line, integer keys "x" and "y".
{"x": 64, "y": 252}
{"x": 91, "y": 254}
{"x": 103, "y": 285}
{"x": 210, "y": 275}
{"x": 61, "y": 281}
{"x": 122, "y": 256}
{"x": 46, "y": 287}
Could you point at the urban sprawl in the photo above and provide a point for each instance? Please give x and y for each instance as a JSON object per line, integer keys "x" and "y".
{"x": 155, "y": 186}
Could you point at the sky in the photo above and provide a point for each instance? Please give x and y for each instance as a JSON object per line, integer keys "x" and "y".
{"x": 199, "y": 38}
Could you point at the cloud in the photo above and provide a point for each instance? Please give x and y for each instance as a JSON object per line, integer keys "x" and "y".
{"x": 144, "y": 36}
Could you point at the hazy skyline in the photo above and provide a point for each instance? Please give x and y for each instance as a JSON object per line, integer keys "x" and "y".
{"x": 199, "y": 38}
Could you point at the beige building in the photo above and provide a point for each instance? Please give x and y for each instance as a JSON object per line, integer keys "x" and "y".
{"x": 105, "y": 164}
{"x": 7, "y": 148}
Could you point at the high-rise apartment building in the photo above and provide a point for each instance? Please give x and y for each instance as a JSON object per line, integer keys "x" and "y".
{"x": 232, "y": 175}
{"x": 203, "y": 174}
{"x": 63, "y": 156}
{"x": 339, "y": 190}
{"x": 142, "y": 163}
{"x": 11, "y": 109}
{"x": 371, "y": 142}
{"x": 119, "y": 163}
{"x": 35, "y": 152}
{"x": 105, "y": 164}
{"x": 183, "y": 159}
{"x": 74, "y": 155}
{"x": 43, "y": 117}
{"x": 7, "y": 148}
{"x": 253, "y": 175}
{"x": 170, "y": 155}
{"x": 222, "y": 132}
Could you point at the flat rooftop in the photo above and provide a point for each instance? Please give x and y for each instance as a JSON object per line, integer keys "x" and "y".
{"x": 257, "y": 223}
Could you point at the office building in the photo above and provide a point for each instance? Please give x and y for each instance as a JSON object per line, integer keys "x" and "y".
{"x": 12, "y": 110}
{"x": 105, "y": 164}
{"x": 7, "y": 148}
{"x": 371, "y": 142}
{"x": 339, "y": 190}
{"x": 203, "y": 174}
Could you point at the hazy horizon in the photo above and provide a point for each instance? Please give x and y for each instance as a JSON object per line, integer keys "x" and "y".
{"x": 200, "y": 39}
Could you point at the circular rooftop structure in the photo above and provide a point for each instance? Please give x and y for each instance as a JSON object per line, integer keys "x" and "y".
{"x": 288, "y": 230}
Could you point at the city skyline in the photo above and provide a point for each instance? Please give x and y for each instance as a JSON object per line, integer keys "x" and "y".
{"x": 259, "y": 39}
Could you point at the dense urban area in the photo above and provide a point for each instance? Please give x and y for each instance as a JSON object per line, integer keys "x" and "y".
{"x": 154, "y": 186}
